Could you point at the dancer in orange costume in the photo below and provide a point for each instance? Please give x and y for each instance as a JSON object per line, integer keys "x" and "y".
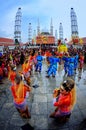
{"x": 19, "y": 90}
{"x": 30, "y": 61}
{"x": 65, "y": 100}
{"x": 12, "y": 73}
{"x": 25, "y": 67}
{"x": 25, "y": 71}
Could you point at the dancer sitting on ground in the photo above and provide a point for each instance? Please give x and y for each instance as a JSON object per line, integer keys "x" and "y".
{"x": 64, "y": 99}
{"x": 19, "y": 90}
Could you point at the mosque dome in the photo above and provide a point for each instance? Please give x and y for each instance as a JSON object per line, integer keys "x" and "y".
{"x": 45, "y": 32}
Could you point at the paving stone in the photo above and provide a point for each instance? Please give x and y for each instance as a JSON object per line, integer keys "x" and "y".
{"x": 39, "y": 108}
{"x": 75, "y": 118}
{"x": 50, "y": 108}
{"x": 40, "y": 98}
{"x": 41, "y": 90}
{"x": 16, "y": 120}
{"x": 83, "y": 111}
{"x": 12, "y": 127}
{"x": 55, "y": 125}
{"x": 40, "y": 103}
{"x": 49, "y": 97}
{"x": 41, "y": 123}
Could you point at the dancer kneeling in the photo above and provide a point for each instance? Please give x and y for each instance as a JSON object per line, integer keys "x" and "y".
{"x": 19, "y": 90}
{"x": 64, "y": 100}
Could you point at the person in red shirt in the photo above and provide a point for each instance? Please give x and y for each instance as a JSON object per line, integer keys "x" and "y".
{"x": 1, "y": 75}
{"x": 65, "y": 100}
{"x": 81, "y": 61}
{"x": 19, "y": 90}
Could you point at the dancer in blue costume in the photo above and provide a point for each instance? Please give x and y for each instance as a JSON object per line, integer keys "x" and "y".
{"x": 66, "y": 62}
{"x": 71, "y": 65}
{"x": 53, "y": 60}
{"x": 39, "y": 59}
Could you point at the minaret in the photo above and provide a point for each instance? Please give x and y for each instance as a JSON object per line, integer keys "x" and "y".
{"x": 74, "y": 26}
{"x": 51, "y": 27}
{"x": 30, "y": 34}
{"x": 56, "y": 37}
{"x": 38, "y": 28}
{"x": 17, "y": 27}
{"x": 61, "y": 32}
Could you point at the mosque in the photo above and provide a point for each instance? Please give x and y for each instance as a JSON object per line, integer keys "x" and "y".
{"x": 43, "y": 38}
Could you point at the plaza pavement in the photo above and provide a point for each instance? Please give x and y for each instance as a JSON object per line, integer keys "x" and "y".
{"x": 40, "y": 104}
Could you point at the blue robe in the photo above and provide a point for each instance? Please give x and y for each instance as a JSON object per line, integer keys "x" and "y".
{"x": 39, "y": 59}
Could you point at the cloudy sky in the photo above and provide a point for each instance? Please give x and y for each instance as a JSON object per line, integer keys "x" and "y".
{"x": 44, "y": 10}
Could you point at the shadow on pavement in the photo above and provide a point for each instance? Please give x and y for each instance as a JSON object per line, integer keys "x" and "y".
{"x": 27, "y": 127}
{"x": 82, "y": 125}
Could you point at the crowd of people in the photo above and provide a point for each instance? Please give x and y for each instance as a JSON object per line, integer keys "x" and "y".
{"x": 27, "y": 59}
